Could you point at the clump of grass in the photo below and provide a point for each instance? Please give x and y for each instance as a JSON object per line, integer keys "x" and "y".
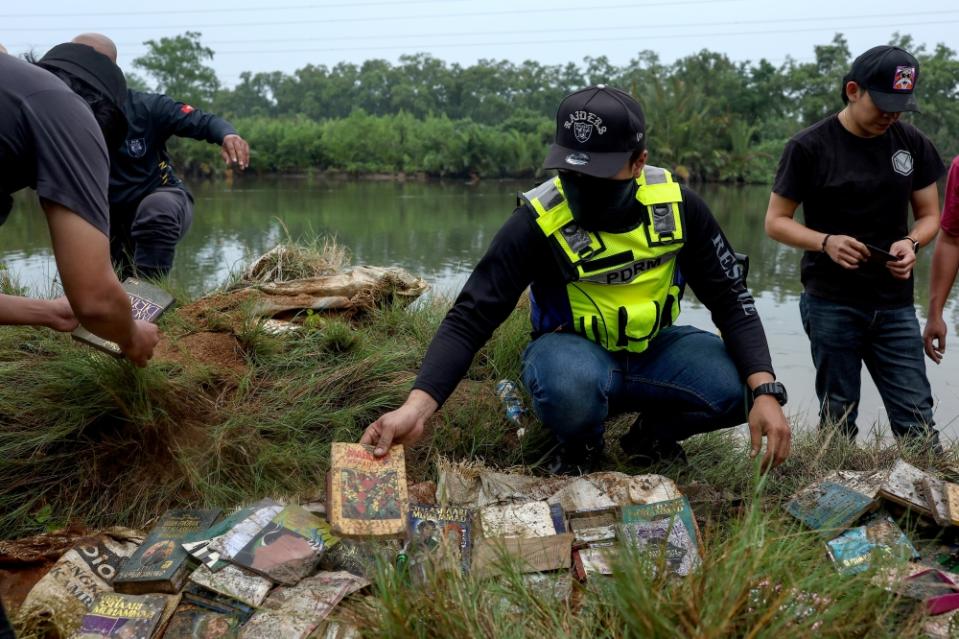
{"x": 298, "y": 260}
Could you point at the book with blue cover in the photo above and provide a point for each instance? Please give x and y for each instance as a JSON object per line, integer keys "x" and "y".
{"x": 854, "y": 550}
{"x": 433, "y": 527}
{"x": 829, "y": 507}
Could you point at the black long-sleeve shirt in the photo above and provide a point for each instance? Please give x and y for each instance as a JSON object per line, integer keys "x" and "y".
{"x": 142, "y": 164}
{"x": 520, "y": 255}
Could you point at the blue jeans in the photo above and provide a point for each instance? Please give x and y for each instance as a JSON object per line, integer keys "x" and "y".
{"x": 889, "y": 342}
{"x": 684, "y": 383}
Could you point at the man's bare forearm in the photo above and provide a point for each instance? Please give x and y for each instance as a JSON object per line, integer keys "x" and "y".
{"x": 945, "y": 263}
{"x": 24, "y": 311}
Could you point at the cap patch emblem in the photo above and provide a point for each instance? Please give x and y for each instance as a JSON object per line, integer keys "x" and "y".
{"x": 577, "y": 159}
{"x": 905, "y": 79}
{"x": 583, "y": 123}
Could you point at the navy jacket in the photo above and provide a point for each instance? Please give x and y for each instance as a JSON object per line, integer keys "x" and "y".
{"x": 142, "y": 164}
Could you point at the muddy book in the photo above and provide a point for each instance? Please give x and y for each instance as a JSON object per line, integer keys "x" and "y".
{"x": 499, "y": 555}
{"x": 951, "y": 492}
{"x": 529, "y": 519}
{"x": 829, "y": 507}
{"x": 367, "y": 494}
{"x": 288, "y": 547}
{"x": 200, "y": 549}
{"x": 202, "y": 597}
{"x": 934, "y": 490}
{"x": 234, "y": 582}
{"x": 193, "y": 622}
{"x": 126, "y": 616}
{"x": 664, "y": 531}
{"x": 235, "y": 539}
{"x": 147, "y": 302}
{"x": 854, "y": 550}
{"x": 294, "y": 612}
{"x": 161, "y": 564}
{"x": 73, "y": 583}
{"x": 441, "y": 529}
{"x": 591, "y": 528}
{"x": 903, "y": 486}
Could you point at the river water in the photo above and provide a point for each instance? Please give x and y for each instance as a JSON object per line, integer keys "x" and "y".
{"x": 439, "y": 230}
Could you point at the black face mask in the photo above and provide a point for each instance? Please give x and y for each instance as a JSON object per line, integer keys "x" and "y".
{"x": 599, "y": 204}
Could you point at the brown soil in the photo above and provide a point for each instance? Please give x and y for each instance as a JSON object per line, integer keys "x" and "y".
{"x": 218, "y": 350}
{"x": 24, "y": 562}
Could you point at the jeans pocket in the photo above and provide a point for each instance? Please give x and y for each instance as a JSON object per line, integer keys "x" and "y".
{"x": 804, "y": 312}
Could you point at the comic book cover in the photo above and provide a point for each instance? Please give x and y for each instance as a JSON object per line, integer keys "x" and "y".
{"x": 199, "y": 547}
{"x": 854, "y": 549}
{"x": 434, "y": 527}
{"x": 123, "y": 616}
{"x": 665, "y": 529}
{"x": 161, "y": 564}
{"x": 288, "y": 548}
{"x": 194, "y": 622}
{"x": 147, "y": 303}
{"x": 368, "y": 494}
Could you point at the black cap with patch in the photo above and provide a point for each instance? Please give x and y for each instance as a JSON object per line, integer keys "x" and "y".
{"x": 890, "y": 74}
{"x": 597, "y": 130}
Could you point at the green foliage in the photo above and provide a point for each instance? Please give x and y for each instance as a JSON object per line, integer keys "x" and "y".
{"x": 178, "y": 67}
{"x": 708, "y": 117}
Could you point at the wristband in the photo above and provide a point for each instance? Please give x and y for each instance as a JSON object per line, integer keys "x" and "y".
{"x": 824, "y": 240}
{"x": 915, "y": 243}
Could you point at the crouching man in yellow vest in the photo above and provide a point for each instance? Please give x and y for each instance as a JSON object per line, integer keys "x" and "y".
{"x": 607, "y": 248}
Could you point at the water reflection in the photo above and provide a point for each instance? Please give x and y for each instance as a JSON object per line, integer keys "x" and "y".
{"x": 439, "y": 230}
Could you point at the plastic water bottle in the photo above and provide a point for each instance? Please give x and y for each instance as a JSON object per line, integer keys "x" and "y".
{"x": 508, "y": 392}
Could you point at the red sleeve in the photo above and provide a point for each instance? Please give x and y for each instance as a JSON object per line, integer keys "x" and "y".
{"x": 950, "y": 206}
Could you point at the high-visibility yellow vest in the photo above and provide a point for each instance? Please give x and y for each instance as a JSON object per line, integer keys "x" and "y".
{"x": 625, "y": 289}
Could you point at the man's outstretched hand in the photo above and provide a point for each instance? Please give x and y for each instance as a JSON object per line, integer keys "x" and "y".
{"x": 235, "y": 151}
{"x": 405, "y": 425}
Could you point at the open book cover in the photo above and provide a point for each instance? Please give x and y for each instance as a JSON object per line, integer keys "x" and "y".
{"x": 147, "y": 302}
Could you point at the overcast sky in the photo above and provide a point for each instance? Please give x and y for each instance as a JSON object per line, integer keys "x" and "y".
{"x": 250, "y": 36}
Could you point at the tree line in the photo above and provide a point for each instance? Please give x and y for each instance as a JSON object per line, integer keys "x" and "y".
{"x": 708, "y": 117}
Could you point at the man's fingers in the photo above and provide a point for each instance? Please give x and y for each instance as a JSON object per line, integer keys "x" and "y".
{"x": 370, "y": 435}
{"x": 755, "y": 440}
{"x": 224, "y": 154}
{"x": 385, "y": 441}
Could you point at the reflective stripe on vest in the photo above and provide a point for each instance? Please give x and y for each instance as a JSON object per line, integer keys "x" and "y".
{"x": 624, "y": 291}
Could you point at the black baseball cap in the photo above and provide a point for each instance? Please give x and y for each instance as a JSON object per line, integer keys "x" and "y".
{"x": 597, "y": 130}
{"x": 890, "y": 74}
{"x": 90, "y": 66}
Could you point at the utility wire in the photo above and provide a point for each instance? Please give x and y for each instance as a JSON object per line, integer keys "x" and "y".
{"x": 638, "y": 39}
{"x": 421, "y": 16}
{"x": 333, "y": 5}
{"x": 640, "y": 30}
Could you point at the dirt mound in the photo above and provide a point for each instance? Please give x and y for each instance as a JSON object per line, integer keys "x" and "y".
{"x": 219, "y": 350}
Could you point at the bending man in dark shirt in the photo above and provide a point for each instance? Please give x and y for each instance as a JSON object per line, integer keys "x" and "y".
{"x": 856, "y": 174}
{"x": 150, "y": 208}
{"x": 606, "y": 249}
{"x": 54, "y": 118}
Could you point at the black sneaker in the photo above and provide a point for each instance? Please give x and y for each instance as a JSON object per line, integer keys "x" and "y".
{"x": 575, "y": 459}
{"x": 645, "y": 451}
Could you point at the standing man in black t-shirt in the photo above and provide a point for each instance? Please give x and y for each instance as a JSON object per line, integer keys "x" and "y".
{"x": 856, "y": 174}
{"x": 53, "y": 120}
{"x": 150, "y": 208}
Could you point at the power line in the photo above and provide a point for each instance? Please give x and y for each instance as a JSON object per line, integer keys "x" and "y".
{"x": 431, "y": 16}
{"x": 334, "y": 5}
{"x": 589, "y": 40}
{"x": 571, "y": 30}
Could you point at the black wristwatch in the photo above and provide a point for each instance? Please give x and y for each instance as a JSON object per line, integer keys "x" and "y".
{"x": 776, "y": 389}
